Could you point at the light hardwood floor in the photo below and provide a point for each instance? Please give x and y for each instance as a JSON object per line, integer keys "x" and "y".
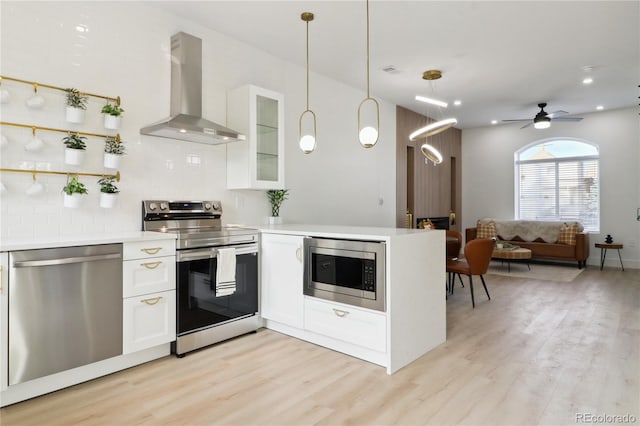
{"x": 539, "y": 352}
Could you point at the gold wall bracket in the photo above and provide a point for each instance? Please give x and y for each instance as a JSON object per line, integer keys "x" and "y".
{"x": 53, "y": 129}
{"x": 36, "y": 84}
{"x": 51, "y": 172}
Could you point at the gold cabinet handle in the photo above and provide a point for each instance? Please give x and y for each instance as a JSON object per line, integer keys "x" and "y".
{"x": 151, "y": 265}
{"x": 340, "y": 313}
{"x": 151, "y": 301}
{"x": 153, "y": 250}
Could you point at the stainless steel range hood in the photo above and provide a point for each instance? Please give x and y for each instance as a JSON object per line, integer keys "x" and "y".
{"x": 186, "y": 122}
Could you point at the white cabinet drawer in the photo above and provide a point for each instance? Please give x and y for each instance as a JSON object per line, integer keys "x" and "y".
{"x": 148, "y": 321}
{"x": 346, "y": 323}
{"x": 147, "y": 249}
{"x": 145, "y": 276}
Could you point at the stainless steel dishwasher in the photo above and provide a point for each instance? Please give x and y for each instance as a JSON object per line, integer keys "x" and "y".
{"x": 65, "y": 309}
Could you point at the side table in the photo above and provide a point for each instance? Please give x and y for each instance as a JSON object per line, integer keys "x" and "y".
{"x": 603, "y": 252}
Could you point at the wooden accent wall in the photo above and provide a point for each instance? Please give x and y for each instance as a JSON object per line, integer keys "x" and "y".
{"x": 433, "y": 191}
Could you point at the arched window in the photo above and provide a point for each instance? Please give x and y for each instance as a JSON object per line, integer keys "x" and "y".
{"x": 558, "y": 179}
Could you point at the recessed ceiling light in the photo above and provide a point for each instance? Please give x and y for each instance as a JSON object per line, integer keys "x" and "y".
{"x": 600, "y": 107}
{"x": 431, "y": 101}
{"x": 494, "y": 121}
{"x": 587, "y": 80}
{"x": 457, "y": 102}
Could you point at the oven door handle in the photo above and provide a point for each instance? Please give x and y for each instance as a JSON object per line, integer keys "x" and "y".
{"x": 212, "y": 252}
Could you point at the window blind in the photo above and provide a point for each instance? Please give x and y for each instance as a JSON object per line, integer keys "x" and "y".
{"x": 564, "y": 189}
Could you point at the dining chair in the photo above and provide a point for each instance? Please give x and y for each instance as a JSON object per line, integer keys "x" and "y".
{"x": 477, "y": 256}
{"x": 454, "y": 244}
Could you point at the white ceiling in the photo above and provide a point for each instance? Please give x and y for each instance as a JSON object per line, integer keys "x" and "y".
{"x": 500, "y": 58}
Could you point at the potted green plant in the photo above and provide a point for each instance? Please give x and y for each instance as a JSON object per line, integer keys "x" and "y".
{"x": 276, "y": 198}
{"x": 113, "y": 151}
{"x": 108, "y": 191}
{"x": 76, "y": 105}
{"x": 75, "y": 149}
{"x": 112, "y": 116}
{"x": 73, "y": 191}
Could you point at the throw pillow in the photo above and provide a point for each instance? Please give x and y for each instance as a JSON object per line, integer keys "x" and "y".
{"x": 486, "y": 230}
{"x": 568, "y": 233}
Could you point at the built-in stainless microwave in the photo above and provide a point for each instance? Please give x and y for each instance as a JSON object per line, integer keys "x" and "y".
{"x": 345, "y": 271}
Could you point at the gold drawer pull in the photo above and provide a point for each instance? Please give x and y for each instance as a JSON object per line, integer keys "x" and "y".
{"x": 151, "y": 265}
{"x": 152, "y": 301}
{"x": 153, "y": 250}
{"x": 340, "y": 313}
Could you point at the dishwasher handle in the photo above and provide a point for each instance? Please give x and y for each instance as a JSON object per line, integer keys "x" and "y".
{"x": 66, "y": 260}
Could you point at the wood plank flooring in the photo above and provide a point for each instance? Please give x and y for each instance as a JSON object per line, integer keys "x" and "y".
{"x": 539, "y": 352}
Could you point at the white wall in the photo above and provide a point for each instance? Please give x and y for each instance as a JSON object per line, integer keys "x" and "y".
{"x": 126, "y": 53}
{"x": 488, "y": 176}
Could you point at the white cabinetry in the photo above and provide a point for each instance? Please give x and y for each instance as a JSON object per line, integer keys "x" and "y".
{"x": 149, "y": 292}
{"x": 282, "y": 273}
{"x": 4, "y": 318}
{"x": 350, "y": 324}
{"x": 258, "y": 162}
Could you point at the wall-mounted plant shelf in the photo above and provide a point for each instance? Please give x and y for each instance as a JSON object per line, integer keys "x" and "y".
{"x": 53, "y": 129}
{"x": 51, "y": 172}
{"x": 35, "y": 85}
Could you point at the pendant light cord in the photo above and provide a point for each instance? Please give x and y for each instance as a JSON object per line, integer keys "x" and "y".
{"x": 368, "y": 95}
{"x": 307, "y": 65}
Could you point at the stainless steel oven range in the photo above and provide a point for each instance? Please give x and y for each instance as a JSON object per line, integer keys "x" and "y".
{"x": 217, "y": 271}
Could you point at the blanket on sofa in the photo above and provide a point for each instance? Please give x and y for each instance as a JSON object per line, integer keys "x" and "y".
{"x": 527, "y": 230}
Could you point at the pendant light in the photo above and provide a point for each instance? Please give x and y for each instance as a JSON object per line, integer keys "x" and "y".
{"x": 368, "y": 135}
{"x": 429, "y": 151}
{"x": 431, "y": 154}
{"x": 307, "y": 141}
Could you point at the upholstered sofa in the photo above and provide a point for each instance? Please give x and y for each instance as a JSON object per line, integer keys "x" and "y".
{"x": 546, "y": 240}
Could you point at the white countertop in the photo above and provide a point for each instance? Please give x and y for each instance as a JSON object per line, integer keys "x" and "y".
{"x": 82, "y": 240}
{"x": 345, "y": 232}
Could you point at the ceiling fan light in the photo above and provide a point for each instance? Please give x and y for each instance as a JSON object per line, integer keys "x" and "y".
{"x": 431, "y": 153}
{"x": 433, "y": 128}
{"x": 542, "y": 122}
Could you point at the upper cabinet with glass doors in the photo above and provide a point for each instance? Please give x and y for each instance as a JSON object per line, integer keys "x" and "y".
{"x": 258, "y": 162}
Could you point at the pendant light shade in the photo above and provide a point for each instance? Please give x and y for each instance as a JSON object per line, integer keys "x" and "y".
{"x": 367, "y": 134}
{"x": 433, "y": 128}
{"x": 431, "y": 153}
{"x": 308, "y": 139}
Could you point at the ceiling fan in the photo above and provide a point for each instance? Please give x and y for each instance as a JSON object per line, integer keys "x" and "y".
{"x": 543, "y": 120}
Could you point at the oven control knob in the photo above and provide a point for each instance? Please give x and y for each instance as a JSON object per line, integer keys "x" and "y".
{"x": 163, "y": 206}
{"x": 152, "y": 206}
{"x": 207, "y": 206}
{"x": 216, "y": 206}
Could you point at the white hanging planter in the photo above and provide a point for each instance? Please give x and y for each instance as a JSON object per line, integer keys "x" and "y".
{"x": 72, "y": 201}
{"x": 75, "y": 115}
{"x": 74, "y": 157}
{"x": 112, "y": 161}
{"x": 112, "y": 121}
{"x": 275, "y": 220}
{"x": 107, "y": 200}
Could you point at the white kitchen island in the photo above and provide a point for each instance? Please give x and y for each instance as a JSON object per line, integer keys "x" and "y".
{"x": 414, "y": 321}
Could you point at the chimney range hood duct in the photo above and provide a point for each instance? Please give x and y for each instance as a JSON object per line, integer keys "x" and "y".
{"x": 186, "y": 122}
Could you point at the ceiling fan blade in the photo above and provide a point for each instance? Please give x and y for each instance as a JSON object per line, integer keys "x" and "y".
{"x": 519, "y": 119}
{"x": 557, "y": 113}
{"x": 567, "y": 119}
{"x": 527, "y": 125}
